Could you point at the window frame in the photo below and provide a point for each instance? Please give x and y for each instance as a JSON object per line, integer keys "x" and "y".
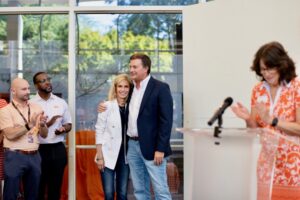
{"x": 72, "y": 10}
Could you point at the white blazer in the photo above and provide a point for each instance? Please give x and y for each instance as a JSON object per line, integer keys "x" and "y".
{"x": 109, "y": 133}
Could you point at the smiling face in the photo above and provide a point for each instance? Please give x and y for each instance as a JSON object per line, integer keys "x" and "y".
{"x": 271, "y": 75}
{"x": 122, "y": 90}
{"x": 138, "y": 72}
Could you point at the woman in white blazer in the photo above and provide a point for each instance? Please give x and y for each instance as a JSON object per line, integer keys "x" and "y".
{"x": 110, "y": 140}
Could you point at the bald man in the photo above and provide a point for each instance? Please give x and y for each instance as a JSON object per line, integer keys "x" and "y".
{"x": 21, "y": 122}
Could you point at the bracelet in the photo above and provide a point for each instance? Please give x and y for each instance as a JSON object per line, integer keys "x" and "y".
{"x": 27, "y": 126}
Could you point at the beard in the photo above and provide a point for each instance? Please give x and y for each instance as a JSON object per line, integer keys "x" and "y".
{"x": 46, "y": 90}
{"x": 25, "y": 97}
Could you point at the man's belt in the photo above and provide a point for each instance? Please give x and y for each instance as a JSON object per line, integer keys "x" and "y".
{"x": 134, "y": 138}
{"x": 30, "y": 152}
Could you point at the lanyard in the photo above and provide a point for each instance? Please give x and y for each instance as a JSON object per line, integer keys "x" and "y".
{"x": 26, "y": 122}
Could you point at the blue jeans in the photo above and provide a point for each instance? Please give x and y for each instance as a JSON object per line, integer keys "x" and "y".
{"x": 142, "y": 171}
{"x": 121, "y": 172}
{"x": 17, "y": 167}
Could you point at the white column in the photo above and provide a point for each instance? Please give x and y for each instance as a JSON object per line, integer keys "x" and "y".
{"x": 72, "y": 98}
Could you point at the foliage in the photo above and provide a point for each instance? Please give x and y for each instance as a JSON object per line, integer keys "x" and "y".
{"x": 100, "y": 55}
{"x": 45, "y": 42}
{"x": 161, "y": 26}
{"x": 3, "y": 34}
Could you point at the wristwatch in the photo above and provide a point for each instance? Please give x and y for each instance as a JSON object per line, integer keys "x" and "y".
{"x": 274, "y": 122}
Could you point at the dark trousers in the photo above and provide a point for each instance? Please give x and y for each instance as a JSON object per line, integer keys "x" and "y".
{"x": 20, "y": 167}
{"x": 121, "y": 173}
{"x": 54, "y": 161}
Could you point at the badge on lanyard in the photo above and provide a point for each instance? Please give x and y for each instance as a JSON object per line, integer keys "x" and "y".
{"x": 33, "y": 131}
{"x": 30, "y": 138}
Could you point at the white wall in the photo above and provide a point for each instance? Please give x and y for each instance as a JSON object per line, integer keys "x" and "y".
{"x": 220, "y": 40}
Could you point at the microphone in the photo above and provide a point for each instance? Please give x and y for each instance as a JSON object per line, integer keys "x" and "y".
{"x": 227, "y": 102}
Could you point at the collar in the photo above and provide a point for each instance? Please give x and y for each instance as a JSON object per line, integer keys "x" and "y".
{"x": 143, "y": 83}
{"x": 20, "y": 105}
{"x": 282, "y": 84}
{"x": 38, "y": 97}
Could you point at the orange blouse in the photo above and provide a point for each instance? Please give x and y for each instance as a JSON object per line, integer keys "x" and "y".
{"x": 286, "y": 181}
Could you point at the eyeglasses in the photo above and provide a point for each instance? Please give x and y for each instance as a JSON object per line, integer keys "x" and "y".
{"x": 44, "y": 80}
{"x": 270, "y": 70}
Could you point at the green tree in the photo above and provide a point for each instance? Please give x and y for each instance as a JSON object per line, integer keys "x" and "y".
{"x": 3, "y": 24}
{"x": 47, "y": 36}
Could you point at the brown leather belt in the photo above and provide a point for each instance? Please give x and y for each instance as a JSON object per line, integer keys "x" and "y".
{"x": 22, "y": 151}
{"x": 134, "y": 138}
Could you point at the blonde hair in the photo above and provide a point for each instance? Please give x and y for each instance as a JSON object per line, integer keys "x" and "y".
{"x": 112, "y": 94}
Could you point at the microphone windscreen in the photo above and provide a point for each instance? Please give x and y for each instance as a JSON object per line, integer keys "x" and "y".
{"x": 228, "y": 101}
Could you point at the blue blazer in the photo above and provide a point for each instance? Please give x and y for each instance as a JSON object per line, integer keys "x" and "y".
{"x": 155, "y": 119}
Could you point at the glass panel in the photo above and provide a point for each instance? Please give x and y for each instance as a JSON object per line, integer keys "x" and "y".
{"x": 32, "y": 43}
{"x": 105, "y": 43}
{"x": 136, "y": 2}
{"x": 23, "y": 3}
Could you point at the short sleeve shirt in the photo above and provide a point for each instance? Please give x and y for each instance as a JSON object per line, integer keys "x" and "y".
{"x": 54, "y": 106}
{"x": 10, "y": 117}
{"x": 287, "y": 101}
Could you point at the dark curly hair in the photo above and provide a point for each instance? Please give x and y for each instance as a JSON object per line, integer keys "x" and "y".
{"x": 34, "y": 79}
{"x": 274, "y": 56}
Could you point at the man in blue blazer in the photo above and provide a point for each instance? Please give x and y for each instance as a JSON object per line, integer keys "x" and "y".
{"x": 150, "y": 120}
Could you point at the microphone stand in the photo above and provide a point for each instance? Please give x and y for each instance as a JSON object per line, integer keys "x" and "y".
{"x": 218, "y": 130}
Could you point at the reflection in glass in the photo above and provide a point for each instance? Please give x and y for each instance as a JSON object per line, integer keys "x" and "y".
{"x": 106, "y": 41}
{"x": 32, "y": 43}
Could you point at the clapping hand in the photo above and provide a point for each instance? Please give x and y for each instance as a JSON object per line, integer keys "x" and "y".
{"x": 60, "y": 130}
{"x": 37, "y": 119}
{"x": 43, "y": 119}
{"x": 52, "y": 120}
{"x": 240, "y": 111}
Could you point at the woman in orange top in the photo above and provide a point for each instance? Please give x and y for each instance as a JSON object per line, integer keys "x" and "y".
{"x": 275, "y": 104}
